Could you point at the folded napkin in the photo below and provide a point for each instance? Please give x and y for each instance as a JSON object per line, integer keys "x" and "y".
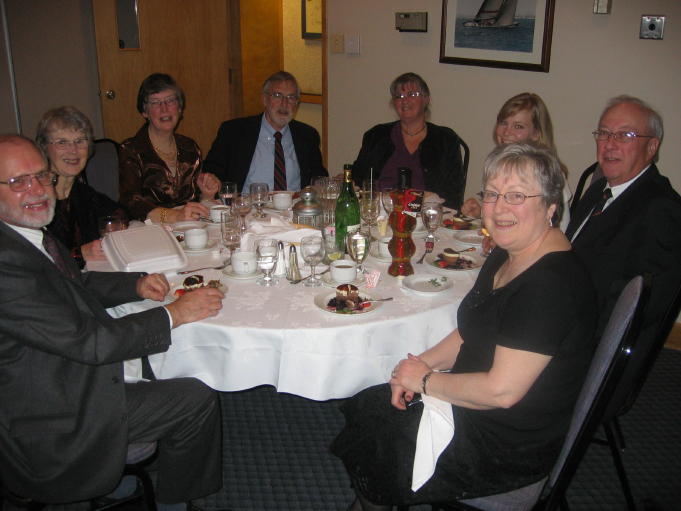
{"x": 270, "y": 225}
{"x": 248, "y": 240}
{"x": 436, "y": 430}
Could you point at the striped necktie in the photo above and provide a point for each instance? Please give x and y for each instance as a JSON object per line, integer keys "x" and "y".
{"x": 279, "y": 163}
{"x": 598, "y": 208}
{"x": 50, "y": 245}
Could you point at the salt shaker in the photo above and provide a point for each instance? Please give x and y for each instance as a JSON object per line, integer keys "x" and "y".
{"x": 292, "y": 271}
{"x": 280, "y": 270}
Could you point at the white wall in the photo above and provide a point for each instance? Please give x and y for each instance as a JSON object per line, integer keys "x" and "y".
{"x": 593, "y": 58}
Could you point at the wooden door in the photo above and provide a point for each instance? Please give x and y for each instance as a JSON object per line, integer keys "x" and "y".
{"x": 193, "y": 41}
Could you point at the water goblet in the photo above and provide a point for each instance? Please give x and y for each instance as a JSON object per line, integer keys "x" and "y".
{"x": 268, "y": 252}
{"x": 312, "y": 250}
{"x": 358, "y": 247}
{"x": 230, "y": 230}
{"x": 259, "y": 195}
{"x": 431, "y": 214}
{"x": 227, "y": 192}
{"x": 369, "y": 208}
{"x": 387, "y": 200}
{"x": 242, "y": 205}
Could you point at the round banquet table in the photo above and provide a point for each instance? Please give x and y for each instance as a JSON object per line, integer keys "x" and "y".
{"x": 278, "y": 336}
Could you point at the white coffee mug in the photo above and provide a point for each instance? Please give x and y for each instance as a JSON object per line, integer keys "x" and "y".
{"x": 244, "y": 263}
{"x": 383, "y": 247}
{"x": 216, "y": 212}
{"x": 196, "y": 239}
{"x": 343, "y": 271}
{"x": 282, "y": 200}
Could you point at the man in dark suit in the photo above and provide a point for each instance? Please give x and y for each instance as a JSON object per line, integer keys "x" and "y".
{"x": 638, "y": 230}
{"x": 255, "y": 149}
{"x": 66, "y": 415}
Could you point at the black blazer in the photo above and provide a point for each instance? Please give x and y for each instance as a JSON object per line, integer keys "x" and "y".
{"x": 63, "y": 422}
{"x": 230, "y": 155}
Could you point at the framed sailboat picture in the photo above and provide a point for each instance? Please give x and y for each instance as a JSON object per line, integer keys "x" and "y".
{"x": 513, "y": 34}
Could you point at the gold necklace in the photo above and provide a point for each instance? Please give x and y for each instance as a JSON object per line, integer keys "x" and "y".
{"x": 415, "y": 133}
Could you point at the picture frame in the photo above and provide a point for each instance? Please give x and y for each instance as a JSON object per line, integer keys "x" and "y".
{"x": 511, "y": 34}
{"x": 311, "y": 19}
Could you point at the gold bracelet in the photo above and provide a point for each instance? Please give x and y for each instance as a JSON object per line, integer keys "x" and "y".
{"x": 164, "y": 215}
{"x": 424, "y": 382}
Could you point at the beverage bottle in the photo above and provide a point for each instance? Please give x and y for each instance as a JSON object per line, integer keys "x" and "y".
{"x": 347, "y": 209}
{"x": 406, "y": 206}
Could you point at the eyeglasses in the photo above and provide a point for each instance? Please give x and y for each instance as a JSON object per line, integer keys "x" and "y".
{"x": 63, "y": 144}
{"x": 23, "y": 183}
{"x": 169, "y": 101}
{"x": 618, "y": 136}
{"x": 410, "y": 94}
{"x": 514, "y": 198}
{"x": 278, "y": 96}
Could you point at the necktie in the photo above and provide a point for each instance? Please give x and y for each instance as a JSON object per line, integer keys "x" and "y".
{"x": 50, "y": 244}
{"x": 279, "y": 163}
{"x": 598, "y": 208}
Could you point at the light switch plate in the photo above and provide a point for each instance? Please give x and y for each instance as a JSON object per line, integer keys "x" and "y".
{"x": 652, "y": 26}
{"x": 352, "y": 44}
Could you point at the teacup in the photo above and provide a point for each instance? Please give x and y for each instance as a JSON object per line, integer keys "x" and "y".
{"x": 216, "y": 212}
{"x": 282, "y": 200}
{"x": 196, "y": 239}
{"x": 343, "y": 271}
{"x": 244, "y": 263}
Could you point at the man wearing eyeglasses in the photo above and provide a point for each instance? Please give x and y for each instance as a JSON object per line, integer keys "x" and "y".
{"x": 629, "y": 222}
{"x": 270, "y": 148}
{"x": 66, "y": 414}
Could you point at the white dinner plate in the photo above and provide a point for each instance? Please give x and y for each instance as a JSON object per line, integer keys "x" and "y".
{"x": 210, "y": 245}
{"x": 474, "y": 259}
{"x": 326, "y": 279}
{"x": 239, "y": 276}
{"x": 469, "y": 237}
{"x": 322, "y": 299}
{"x": 426, "y": 285}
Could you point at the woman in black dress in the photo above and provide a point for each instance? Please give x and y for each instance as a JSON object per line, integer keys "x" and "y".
{"x": 517, "y": 360}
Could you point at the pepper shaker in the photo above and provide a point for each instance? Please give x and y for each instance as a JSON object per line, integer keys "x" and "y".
{"x": 280, "y": 270}
{"x": 292, "y": 271}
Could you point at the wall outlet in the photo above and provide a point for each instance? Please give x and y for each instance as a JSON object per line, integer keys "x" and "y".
{"x": 652, "y": 26}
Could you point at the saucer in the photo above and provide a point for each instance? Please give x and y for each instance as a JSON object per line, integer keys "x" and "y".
{"x": 239, "y": 276}
{"x": 426, "y": 285}
{"x": 210, "y": 245}
{"x": 326, "y": 279}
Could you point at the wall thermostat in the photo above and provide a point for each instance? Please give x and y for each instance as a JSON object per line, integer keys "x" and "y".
{"x": 411, "y": 21}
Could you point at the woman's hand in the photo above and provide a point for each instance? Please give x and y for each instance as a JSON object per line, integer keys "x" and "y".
{"x": 93, "y": 251}
{"x": 208, "y": 184}
{"x": 193, "y": 211}
{"x": 471, "y": 207}
{"x": 407, "y": 379}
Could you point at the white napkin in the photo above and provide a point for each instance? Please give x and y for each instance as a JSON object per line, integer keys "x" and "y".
{"x": 436, "y": 430}
{"x": 271, "y": 225}
{"x": 248, "y": 240}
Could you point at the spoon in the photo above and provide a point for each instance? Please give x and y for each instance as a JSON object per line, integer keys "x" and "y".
{"x": 298, "y": 281}
{"x": 377, "y": 300}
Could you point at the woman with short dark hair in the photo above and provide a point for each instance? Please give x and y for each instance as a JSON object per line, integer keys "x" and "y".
{"x": 160, "y": 170}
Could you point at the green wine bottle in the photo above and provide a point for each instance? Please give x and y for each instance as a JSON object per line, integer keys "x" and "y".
{"x": 347, "y": 209}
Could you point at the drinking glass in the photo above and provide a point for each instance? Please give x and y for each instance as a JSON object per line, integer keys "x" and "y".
{"x": 387, "y": 200}
{"x": 231, "y": 233}
{"x": 242, "y": 205}
{"x": 312, "y": 250}
{"x": 259, "y": 196}
{"x": 331, "y": 249}
{"x": 431, "y": 214}
{"x": 267, "y": 251}
{"x": 111, "y": 223}
{"x": 329, "y": 196}
{"x": 227, "y": 192}
{"x": 358, "y": 247}
{"x": 369, "y": 208}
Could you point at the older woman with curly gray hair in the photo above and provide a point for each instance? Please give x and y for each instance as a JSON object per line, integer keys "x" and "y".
{"x": 65, "y": 136}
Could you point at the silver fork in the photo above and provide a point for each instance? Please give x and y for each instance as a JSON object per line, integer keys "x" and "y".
{"x": 429, "y": 249}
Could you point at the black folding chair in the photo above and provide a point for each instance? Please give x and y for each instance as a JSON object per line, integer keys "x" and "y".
{"x": 101, "y": 171}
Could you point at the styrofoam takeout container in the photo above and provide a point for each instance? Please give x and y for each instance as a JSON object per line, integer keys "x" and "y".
{"x": 150, "y": 248}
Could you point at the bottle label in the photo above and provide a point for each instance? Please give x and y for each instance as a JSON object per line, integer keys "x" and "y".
{"x": 413, "y": 199}
{"x": 352, "y": 228}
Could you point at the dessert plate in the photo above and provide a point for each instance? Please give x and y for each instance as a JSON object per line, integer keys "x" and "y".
{"x": 426, "y": 285}
{"x": 469, "y": 262}
{"x": 322, "y": 300}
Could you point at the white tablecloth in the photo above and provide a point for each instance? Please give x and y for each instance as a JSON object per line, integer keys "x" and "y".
{"x": 278, "y": 336}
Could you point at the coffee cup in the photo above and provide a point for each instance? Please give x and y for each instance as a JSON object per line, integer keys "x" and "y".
{"x": 244, "y": 263}
{"x": 343, "y": 271}
{"x": 282, "y": 200}
{"x": 216, "y": 212}
{"x": 383, "y": 250}
{"x": 196, "y": 239}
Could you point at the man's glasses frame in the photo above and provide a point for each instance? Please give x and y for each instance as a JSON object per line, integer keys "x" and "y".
{"x": 278, "y": 96}
{"x": 513, "y": 198}
{"x": 618, "y": 136}
{"x": 24, "y": 182}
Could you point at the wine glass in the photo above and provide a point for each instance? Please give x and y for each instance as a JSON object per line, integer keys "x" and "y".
{"x": 111, "y": 223}
{"x": 431, "y": 214}
{"x": 387, "y": 200}
{"x": 259, "y": 195}
{"x": 227, "y": 192}
{"x": 312, "y": 250}
{"x": 231, "y": 233}
{"x": 242, "y": 205}
{"x": 268, "y": 251}
{"x": 369, "y": 208}
{"x": 358, "y": 247}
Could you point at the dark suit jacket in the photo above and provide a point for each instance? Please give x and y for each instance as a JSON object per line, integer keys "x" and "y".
{"x": 639, "y": 233}
{"x": 63, "y": 423}
{"x": 230, "y": 155}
